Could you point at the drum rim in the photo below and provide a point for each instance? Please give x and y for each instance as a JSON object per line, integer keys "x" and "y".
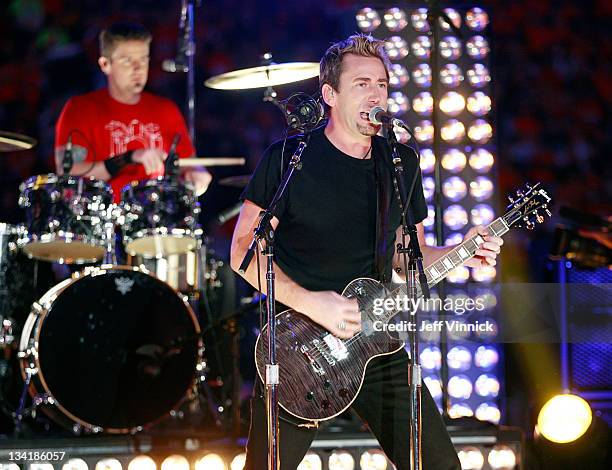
{"x": 35, "y": 181}
{"x": 10, "y": 229}
{"x": 195, "y": 234}
{"x": 28, "y": 238}
{"x": 31, "y": 333}
{"x": 159, "y": 181}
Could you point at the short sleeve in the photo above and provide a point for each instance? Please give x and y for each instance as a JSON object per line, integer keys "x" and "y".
{"x": 266, "y": 179}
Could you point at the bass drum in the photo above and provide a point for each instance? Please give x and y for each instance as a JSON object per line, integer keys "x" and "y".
{"x": 112, "y": 350}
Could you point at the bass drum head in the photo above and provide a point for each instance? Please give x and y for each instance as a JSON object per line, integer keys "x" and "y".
{"x": 117, "y": 349}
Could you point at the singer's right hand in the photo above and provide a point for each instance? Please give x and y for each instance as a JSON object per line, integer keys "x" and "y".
{"x": 151, "y": 159}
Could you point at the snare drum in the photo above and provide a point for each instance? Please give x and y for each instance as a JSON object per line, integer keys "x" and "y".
{"x": 65, "y": 218}
{"x": 160, "y": 218}
{"x": 113, "y": 350}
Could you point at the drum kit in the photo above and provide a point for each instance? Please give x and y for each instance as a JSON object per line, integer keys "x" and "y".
{"x": 117, "y": 346}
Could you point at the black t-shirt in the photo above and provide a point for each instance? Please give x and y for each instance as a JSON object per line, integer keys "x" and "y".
{"x": 326, "y": 234}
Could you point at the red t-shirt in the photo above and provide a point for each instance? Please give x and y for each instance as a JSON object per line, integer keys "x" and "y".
{"x": 102, "y": 127}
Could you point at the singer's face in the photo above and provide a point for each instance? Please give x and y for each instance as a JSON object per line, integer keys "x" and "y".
{"x": 363, "y": 85}
{"x": 127, "y": 68}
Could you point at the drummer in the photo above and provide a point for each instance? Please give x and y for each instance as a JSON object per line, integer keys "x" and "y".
{"x": 122, "y": 133}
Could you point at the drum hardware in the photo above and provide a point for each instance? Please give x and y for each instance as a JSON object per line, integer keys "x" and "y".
{"x": 12, "y": 142}
{"x": 203, "y": 161}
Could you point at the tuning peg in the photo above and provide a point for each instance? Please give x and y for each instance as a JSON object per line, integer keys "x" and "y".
{"x": 547, "y": 212}
{"x": 511, "y": 199}
{"x": 528, "y": 186}
{"x": 520, "y": 193}
{"x": 530, "y": 225}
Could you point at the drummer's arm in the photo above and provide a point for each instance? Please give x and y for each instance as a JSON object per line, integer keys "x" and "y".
{"x": 199, "y": 176}
{"x": 80, "y": 167}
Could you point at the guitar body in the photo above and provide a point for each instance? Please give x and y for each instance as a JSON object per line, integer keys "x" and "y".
{"x": 321, "y": 375}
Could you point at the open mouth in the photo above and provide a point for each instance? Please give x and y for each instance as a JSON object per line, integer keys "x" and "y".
{"x": 365, "y": 115}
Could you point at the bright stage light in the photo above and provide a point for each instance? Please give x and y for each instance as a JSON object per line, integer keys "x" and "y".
{"x": 430, "y": 239}
{"x": 564, "y": 418}
{"x": 478, "y": 76}
{"x": 461, "y": 332}
{"x": 459, "y": 358}
{"x": 368, "y": 19}
{"x": 481, "y": 188}
{"x": 453, "y": 160}
{"x": 452, "y": 103}
{"x": 476, "y": 19}
{"x": 488, "y": 412}
{"x": 434, "y": 385}
{"x": 460, "y": 386}
{"x": 419, "y": 20}
{"x": 460, "y": 274}
{"x": 422, "y": 103}
{"x": 397, "y": 103}
{"x": 471, "y": 458}
{"x": 452, "y": 131}
{"x": 74, "y": 464}
{"x": 453, "y": 16}
{"x": 311, "y": 461}
{"x": 478, "y": 103}
{"x": 396, "y": 47}
{"x": 341, "y": 460}
{"x": 486, "y": 357}
{"x": 453, "y": 239}
{"x": 421, "y": 76}
{"x": 455, "y": 217}
{"x": 454, "y": 188}
{"x": 431, "y": 358}
{"x": 398, "y": 76}
{"x": 429, "y": 186}
{"x": 175, "y": 462}
{"x": 108, "y": 464}
{"x": 40, "y": 466}
{"x": 482, "y": 214}
{"x": 484, "y": 274}
{"x": 373, "y": 459}
{"x": 451, "y": 75}
{"x": 480, "y": 131}
{"x": 459, "y": 410}
{"x": 395, "y": 19}
{"x": 429, "y": 220}
{"x": 238, "y": 462}
{"x": 421, "y": 47}
{"x": 427, "y": 160}
{"x": 494, "y": 328}
{"x": 142, "y": 462}
{"x": 423, "y": 131}
{"x": 487, "y": 386}
{"x": 481, "y": 160}
{"x": 502, "y": 457}
{"x": 210, "y": 462}
{"x": 477, "y": 47}
{"x": 450, "y": 48}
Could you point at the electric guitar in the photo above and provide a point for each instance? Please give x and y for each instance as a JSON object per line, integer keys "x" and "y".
{"x": 320, "y": 374}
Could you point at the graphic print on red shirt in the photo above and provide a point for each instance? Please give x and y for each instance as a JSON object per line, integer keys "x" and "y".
{"x": 105, "y": 127}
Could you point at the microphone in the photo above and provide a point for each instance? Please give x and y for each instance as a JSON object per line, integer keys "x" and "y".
{"x": 68, "y": 161}
{"x": 379, "y": 116}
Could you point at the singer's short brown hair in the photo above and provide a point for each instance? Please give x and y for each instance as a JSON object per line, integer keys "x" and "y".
{"x": 120, "y": 32}
{"x": 363, "y": 45}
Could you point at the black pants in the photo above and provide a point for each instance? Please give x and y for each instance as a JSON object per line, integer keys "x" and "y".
{"x": 383, "y": 403}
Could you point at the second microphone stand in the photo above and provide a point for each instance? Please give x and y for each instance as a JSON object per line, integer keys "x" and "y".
{"x": 265, "y": 232}
{"x": 413, "y": 266}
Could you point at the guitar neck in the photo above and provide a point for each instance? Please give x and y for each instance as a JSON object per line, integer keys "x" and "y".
{"x": 461, "y": 253}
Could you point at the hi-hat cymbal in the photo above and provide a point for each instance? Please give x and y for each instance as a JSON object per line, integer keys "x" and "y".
{"x": 10, "y": 142}
{"x": 239, "y": 181}
{"x": 264, "y": 76}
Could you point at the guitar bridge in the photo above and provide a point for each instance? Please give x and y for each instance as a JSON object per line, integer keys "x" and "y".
{"x": 316, "y": 367}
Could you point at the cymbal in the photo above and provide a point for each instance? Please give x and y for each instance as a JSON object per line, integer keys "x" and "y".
{"x": 10, "y": 142}
{"x": 224, "y": 161}
{"x": 264, "y": 76}
{"x": 239, "y": 181}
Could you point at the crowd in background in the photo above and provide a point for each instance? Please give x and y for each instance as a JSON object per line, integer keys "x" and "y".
{"x": 550, "y": 63}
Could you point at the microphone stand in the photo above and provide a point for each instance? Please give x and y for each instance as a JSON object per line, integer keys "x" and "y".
{"x": 264, "y": 231}
{"x": 413, "y": 265}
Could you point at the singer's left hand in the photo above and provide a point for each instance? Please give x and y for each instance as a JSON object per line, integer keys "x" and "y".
{"x": 200, "y": 178}
{"x": 486, "y": 254}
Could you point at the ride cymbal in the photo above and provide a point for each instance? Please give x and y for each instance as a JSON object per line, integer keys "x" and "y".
{"x": 264, "y": 76}
{"x": 10, "y": 142}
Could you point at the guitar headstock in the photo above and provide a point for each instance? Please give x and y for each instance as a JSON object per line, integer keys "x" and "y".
{"x": 524, "y": 210}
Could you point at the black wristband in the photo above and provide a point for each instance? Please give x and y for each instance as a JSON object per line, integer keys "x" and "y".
{"x": 114, "y": 164}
